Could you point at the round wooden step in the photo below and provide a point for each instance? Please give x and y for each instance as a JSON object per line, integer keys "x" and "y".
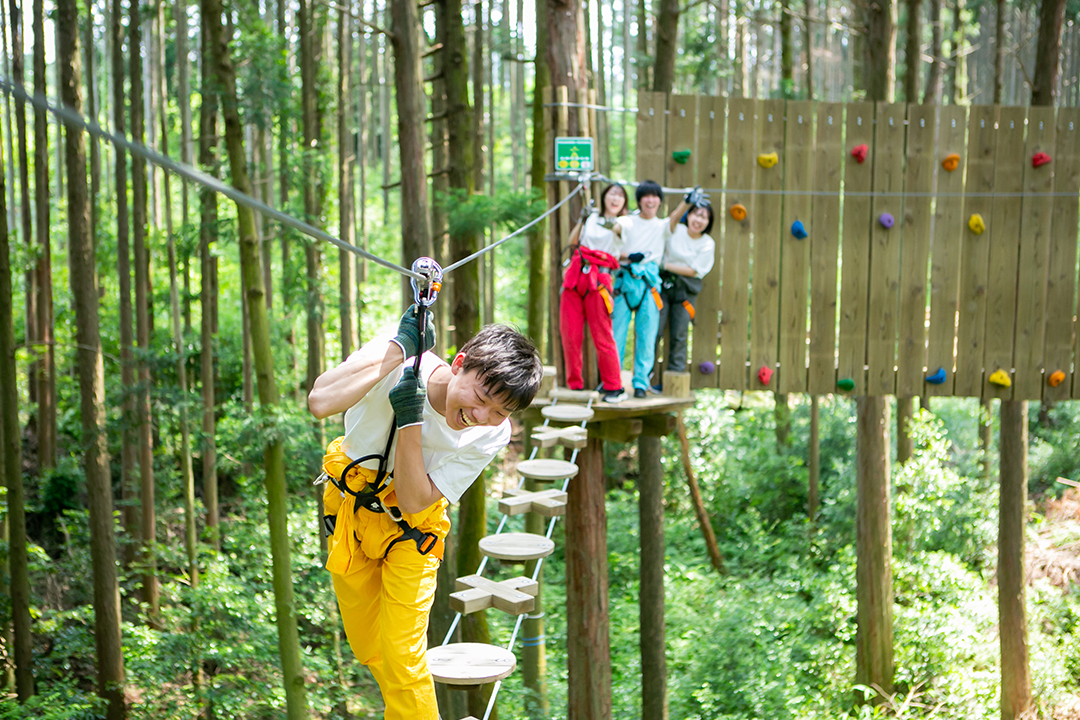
{"x": 547, "y": 470}
{"x": 469, "y": 663}
{"x": 564, "y": 412}
{"x": 516, "y": 547}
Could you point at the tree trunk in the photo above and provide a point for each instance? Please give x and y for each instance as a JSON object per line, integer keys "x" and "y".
{"x": 478, "y": 97}
{"x": 782, "y": 416}
{"x": 9, "y": 126}
{"x": 142, "y": 320}
{"x": 933, "y": 78}
{"x": 11, "y": 442}
{"x": 808, "y": 28}
{"x": 273, "y": 453}
{"x": 880, "y": 60}
{"x": 787, "y": 55}
{"x": 999, "y": 51}
{"x": 912, "y": 51}
{"x": 667, "y": 37}
{"x": 695, "y": 497}
{"x": 472, "y": 526}
{"x": 642, "y": 58}
{"x": 873, "y": 548}
{"x": 208, "y": 231}
{"x": 313, "y": 151}
{"x": 1012, "y": 518}
{"x": 739, "y": 82}
{"x": 83, "y": 276}
{"x": 814, "y": 489}
{"x": 412, "y": 108}
{"x": 538, "y": 259}
{"x": 1047, "y": 53}
{"x": 346, "y": 157}
{"x": 955, "y": 70}
{"x": 654, "y": 701}
{"x": 905, "y": 446}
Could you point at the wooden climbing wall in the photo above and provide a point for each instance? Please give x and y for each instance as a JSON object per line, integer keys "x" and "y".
{"x": 882, "y": 305}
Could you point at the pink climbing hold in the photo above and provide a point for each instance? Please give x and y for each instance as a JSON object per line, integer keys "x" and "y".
{"x": 1039, "y": 158}
{"x": 764, "y": 375}
{"x": 859, "y": 153}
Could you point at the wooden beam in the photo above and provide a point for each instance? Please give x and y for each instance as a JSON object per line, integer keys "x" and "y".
{"x": 620, "y": 430}
{"x": 658, "y": 425}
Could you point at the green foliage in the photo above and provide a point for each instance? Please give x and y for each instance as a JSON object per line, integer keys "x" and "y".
{"x": 479, "y": 212}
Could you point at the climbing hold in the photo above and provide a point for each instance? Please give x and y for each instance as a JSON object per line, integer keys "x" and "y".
{"x": 767, "y": 160}
{"x": 707, "y": 367}
{"x": 859, "y": 153}
{"x": 1039, "y": 158}
{"x": 1056, "y": 378}
{"x": 937, "y": 378}
{"x": 951, "y": 162}
{"x": 798, "y": 230}
{"x": 1000, "y": 378}
{"x": 886, "y": 220}
{"x": 764, "y": 375}
{"x": 975, "y": 222}
{"x": 738, "y": 211}
{"x": 680, "y": 156}
{"x": 846, "y": 384}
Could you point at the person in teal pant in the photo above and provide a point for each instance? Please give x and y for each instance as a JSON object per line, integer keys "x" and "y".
{"x": 637, "y": 284}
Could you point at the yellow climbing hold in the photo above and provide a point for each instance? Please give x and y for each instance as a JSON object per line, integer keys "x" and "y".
{"x": 767, "y": 160}
{"x": 975, "y": 222}
{"x": 1056, "y": 378}
{"x": 1000, "y": 378}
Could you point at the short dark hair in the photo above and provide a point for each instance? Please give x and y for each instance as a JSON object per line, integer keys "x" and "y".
{"x": 506, "y": 362}
{"x": 646, "y": 188}
{"x": 707, "y": 207}
{"x": 604, "y": 194}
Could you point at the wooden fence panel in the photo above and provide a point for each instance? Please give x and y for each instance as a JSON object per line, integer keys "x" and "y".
{"x": 795, "y": 253}
{"x": 1061, "y": 282}
{"x": 1005, "y": 221}
{"x": 651, "y": 136}
{"x": 975, "y": 255}
{"x": 682, "y": 122}
{"x": 884, "y": 281}
{"x": 824, "y": 247}
{"x": 712, "y": 122}
{"x": 945, "y": 253}
{"x": 768, "y": 209}
{"x": 855, "y": 245}
{"x": 918, "y": 187}
{"x": 1032, "y": 269}
{"x": 735, "y": 289}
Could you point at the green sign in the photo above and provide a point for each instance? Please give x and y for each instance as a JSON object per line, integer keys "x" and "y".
{"x": 573, "y": 154}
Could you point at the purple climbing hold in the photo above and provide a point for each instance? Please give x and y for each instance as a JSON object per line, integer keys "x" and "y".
{"x": 707, "y": 367}
{"x": 886, "y": 221}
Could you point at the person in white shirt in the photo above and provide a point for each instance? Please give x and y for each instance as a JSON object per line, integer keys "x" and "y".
{"x": 637, "y": 284}
{"x": 413, "y": 443}
{"x": 689, "y": 253}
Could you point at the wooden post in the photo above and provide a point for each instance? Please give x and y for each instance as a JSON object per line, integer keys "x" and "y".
{"x": 905, "y": 446}
{"x": 815, "y": 458}
{"x": 654, "y": 704}
{"x": 1012, "y": 620}
{"x": 588, "y": 647}
{"x": 873, "y": 547}
{"x": 695, "y": 497}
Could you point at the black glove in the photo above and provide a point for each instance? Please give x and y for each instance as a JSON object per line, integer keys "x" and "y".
{"x": 607, "y": 223}
{"x": 407, "y": 399}
{"x": 636, "y": 257}
{"x": 408, "y": 332}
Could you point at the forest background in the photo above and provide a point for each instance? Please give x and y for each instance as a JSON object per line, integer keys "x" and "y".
{"x": 143, "y": 316}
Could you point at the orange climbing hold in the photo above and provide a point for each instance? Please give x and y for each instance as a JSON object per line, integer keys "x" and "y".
{"x": 951, "y": 162}
{"x": 764, "y": 375}
{"x": 1000, "y": 378}
{"x": 859, "y": 153}
{"x": 738, "y": 211}
{"x": 1039, "y": 158}
{"x": 1056, "y": 378}
{"x": 767, "y": 160}
{"x": 975, "y": 222}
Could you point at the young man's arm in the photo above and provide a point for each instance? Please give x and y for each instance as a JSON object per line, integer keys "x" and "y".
{"x": 414, "y": 488}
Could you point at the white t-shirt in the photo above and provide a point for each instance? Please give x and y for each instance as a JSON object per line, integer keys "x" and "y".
{"x": 681, "y": 249}
{"x": 453, "y": 458}
{"x": 596, "y": 237}
{"x": 643, "y": 236}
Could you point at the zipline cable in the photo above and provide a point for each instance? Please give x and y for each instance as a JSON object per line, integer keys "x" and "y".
{"x": 73, "y": 119}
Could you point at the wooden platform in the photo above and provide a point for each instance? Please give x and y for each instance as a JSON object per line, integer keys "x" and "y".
{"x": 469, "y": 663}
{"x": 547, "y": 469}
{"x": 516, "y": 547}
{"x": 473, "y": 593}
{"x": 548, "y": 503}
{"x": 567, "y": 413}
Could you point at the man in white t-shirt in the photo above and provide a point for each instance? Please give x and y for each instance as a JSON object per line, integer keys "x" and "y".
{"x": 413, "y": 444}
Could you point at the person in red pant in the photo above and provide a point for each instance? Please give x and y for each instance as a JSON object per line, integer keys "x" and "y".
{"x": 586, "y": 294}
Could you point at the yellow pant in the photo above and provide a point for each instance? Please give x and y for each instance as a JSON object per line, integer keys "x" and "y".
{"x": 384, "y": 602}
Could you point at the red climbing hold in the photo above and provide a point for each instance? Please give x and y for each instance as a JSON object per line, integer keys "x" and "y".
{"x": 1039, "y": 158}
{"x": 859, "y": 153}
{"x": 764, "y": 375}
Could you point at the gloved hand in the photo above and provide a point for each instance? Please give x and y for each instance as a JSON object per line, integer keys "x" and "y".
{"x": 695, "y": 196}
{"x": 607, "y": 223}
{"x": 586, "y": 211}
{"x": 408, "y": 332}
{"x": 407, "y": 399}
{"x": 636, "y": 257}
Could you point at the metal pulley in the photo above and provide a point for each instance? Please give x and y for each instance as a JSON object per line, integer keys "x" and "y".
{"x": 427, "y": 290}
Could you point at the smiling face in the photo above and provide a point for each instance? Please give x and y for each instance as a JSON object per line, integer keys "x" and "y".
{"x": 614, "y": 201}
{"x": 469, "y": 403}
{"x": 648, "y": 206}
{"x": 697, "y": 220}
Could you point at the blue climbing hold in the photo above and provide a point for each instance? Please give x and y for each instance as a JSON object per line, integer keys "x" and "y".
{"x": 798, "y": 230}
{"x": 937, "y": 378}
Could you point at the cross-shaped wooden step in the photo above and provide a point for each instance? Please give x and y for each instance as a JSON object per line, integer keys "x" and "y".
{"x": 571, "y": 437}
{"x": 515, "y": 596}
{"x": 516, "y": 547}
{"x": 573, "y": 396}
{"x": 469, "y": 663}
{"x": 547, "y": 469}
{"x": 549, "y": 503}
{"x": 566, "y": 413}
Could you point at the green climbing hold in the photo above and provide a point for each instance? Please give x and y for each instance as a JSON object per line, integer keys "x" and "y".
{"x": 680, "y": 156}
{"x": 846, "y": 384}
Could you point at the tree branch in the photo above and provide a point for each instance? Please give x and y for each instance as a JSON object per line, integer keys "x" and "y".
{"x": 357, "y": 18}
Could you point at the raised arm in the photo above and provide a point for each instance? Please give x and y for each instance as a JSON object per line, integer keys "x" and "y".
{"x": 339, "y": 388}
{"x": 676, "y": 215}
